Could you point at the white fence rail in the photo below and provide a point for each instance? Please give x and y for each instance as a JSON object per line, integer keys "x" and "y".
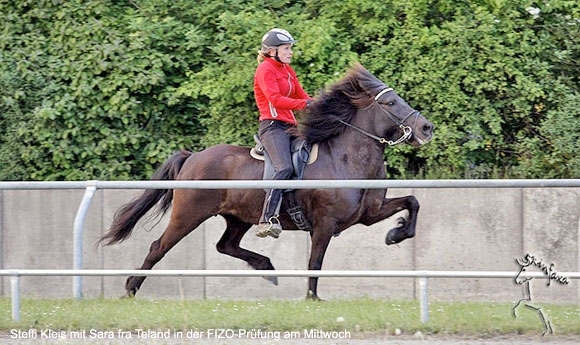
{"x": 304, "y": 184}
{"x": 92, "y": 186}
{"x": 422, "y": 275}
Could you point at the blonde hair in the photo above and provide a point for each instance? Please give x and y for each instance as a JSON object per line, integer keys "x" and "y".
{"x": 263, "y": 53}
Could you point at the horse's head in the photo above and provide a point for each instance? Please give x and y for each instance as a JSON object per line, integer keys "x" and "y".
{"x": 397, "y": 121}
{"x": 385, "y": 114}
{"x": 364, "y": 103}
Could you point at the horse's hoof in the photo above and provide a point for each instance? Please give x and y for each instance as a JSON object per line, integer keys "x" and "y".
{"x": 273, "y": 280}
{"x": 311, "y": 296}
{"x": 395, "y": 236}
{"x": 128, "y": 295}
{"x": 391, "y": 237}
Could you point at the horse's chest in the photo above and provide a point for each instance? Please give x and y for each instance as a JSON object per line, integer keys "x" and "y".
{"x": 362, "y": 203}
{"x": 372, "y": 201}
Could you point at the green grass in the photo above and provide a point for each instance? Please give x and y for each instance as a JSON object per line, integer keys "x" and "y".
{"x": 359, "y": 316}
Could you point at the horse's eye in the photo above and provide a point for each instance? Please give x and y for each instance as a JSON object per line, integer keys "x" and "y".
{"x": 391, "y": 103}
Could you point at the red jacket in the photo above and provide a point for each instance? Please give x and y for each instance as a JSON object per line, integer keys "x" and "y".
{"x": 278, "y": 91}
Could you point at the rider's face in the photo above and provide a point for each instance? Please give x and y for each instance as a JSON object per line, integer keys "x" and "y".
{"x": 285, "y": 53}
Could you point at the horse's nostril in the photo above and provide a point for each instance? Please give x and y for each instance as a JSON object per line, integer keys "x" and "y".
{"x": 428, "y": 128}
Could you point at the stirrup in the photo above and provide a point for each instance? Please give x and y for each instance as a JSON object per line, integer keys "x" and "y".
{"x": 272, "y": 228}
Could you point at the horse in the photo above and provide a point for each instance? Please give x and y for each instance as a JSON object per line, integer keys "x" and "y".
{"x": 352, "y": 121}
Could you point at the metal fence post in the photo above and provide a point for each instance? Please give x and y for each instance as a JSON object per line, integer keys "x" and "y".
{"x": 15, "y": 292}
{"x": 78, "y": 230}
{"x": 424, "y": 298}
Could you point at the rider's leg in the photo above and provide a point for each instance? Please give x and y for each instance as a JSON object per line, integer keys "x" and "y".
{"x": 269, "y": 224}
{"x": 276, "y": 142}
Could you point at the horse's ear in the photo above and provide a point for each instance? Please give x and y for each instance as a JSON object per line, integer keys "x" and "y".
{"x": 358, "y": 66}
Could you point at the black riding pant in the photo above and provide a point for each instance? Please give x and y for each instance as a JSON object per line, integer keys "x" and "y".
{"x": 276, "y": 142}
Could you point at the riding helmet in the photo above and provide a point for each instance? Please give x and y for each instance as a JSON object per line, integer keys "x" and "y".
{"x": 276, "y": 37}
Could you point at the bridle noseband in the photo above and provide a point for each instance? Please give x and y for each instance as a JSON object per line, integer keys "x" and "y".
{"x": 407, "y": 130}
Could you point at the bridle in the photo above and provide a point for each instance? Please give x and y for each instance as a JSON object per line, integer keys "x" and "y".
{"x": 407, "y": 130}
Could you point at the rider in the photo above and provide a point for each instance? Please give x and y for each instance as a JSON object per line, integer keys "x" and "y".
{"x": 278, "y": 92}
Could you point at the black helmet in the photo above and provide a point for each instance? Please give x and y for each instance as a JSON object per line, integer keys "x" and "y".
{"x": 277, "y": 37}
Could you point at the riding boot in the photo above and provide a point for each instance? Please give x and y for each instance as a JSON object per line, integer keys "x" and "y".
{"x": 269, "y": 224}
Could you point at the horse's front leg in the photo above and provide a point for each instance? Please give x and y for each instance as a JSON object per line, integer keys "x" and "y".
{"x": 389, "y": 207}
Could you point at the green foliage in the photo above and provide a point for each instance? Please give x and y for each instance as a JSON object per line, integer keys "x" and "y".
{"x": 100, "y": 104}
{"x": 107, "y": 89}
{"x": 480, "y": 78}
{"x": 558, "y": 138}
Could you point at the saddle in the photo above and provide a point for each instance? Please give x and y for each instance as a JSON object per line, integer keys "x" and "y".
{"x": 302, "y": 154}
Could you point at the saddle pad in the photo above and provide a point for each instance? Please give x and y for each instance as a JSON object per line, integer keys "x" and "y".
{"x": 311, "y": 159}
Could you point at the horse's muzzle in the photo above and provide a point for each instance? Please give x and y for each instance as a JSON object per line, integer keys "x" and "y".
{"x": 423, "y": 133}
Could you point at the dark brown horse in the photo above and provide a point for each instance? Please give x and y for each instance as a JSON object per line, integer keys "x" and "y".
{"x": 352, "y": 121}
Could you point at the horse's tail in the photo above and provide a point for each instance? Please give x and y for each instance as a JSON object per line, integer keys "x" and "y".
{"x": 127, "y": 216}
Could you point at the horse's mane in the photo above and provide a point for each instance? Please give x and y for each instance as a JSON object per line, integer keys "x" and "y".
{"x": 321, "y": 120}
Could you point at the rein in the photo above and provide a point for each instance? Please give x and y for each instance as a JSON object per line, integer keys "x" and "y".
{"x": 407, "y": 130}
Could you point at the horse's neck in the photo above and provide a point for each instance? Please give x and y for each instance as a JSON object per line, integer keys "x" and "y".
{"x": 361, "y": 156}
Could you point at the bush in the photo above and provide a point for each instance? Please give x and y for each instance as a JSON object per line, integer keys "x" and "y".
{"x": 107, "y": 90}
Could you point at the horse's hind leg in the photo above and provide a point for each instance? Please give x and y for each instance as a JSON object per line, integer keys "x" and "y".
{"x": 183, "y": 221}
{"x": 172, "y": 235}
{"x": 229, "y": 244}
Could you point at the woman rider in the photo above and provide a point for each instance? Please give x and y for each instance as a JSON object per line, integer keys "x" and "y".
{"x": 278, "y": 92}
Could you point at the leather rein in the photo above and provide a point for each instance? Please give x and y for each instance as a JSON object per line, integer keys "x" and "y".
{"x": 406, "y": 130}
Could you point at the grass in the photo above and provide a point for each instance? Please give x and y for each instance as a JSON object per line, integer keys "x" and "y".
{"x": 359, "y": 316}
